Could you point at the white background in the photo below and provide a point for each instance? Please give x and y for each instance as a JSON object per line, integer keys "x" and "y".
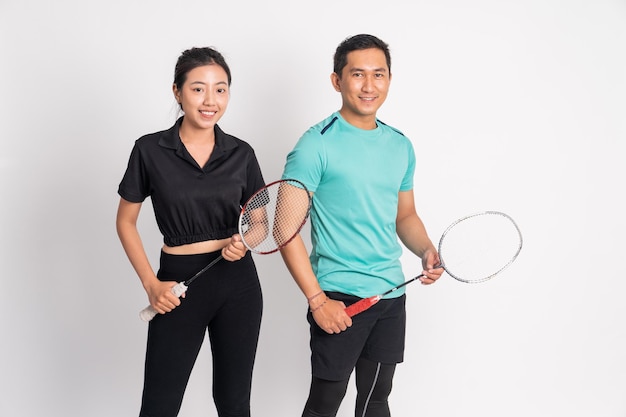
{"x": 518, "y": 106}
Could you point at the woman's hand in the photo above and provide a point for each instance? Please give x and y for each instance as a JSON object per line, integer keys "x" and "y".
{"x": 161, "y": 296}
{"x": 235, "y": 250}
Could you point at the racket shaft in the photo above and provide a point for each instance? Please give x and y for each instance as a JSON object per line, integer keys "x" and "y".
{"x": 362, "y": 305}
{"x": 202, "y": 271}
{"x": 149, "y": 312}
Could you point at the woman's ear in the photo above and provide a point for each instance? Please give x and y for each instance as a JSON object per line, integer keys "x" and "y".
{"x": 176, "y": 93}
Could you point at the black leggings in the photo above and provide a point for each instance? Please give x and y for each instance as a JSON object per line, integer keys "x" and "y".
{"x": 227, "y": 303}
{"x": 373, "y": 384}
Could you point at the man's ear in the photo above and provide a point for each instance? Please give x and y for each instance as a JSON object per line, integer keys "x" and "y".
{"x": 334, "y": 79}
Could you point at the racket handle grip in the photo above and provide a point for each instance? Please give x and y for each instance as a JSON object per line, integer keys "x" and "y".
{"x": 362, "y": 305}
{"x": 149, "y": 312}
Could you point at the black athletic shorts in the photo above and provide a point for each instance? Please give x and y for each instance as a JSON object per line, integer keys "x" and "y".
{"x": 377, "y": 334}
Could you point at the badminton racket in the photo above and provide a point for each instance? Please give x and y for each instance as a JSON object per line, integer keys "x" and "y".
{"x": 268, "y": 221}
{"x": 472, "y": 249}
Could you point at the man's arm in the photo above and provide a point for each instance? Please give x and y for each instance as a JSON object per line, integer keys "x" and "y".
{"x": 328, "y": 314}
{"x": 413, "y": 235}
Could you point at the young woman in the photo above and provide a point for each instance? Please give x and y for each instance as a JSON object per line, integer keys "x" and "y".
{"x": 197, "y": 178}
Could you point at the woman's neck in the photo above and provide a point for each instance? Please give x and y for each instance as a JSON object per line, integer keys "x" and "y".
{"x": 190, "y": 135}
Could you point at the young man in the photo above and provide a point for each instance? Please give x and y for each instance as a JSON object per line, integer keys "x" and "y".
{"x": 360, "y": 172}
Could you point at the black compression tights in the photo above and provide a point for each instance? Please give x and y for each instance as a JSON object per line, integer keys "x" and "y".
{"x": 373, "y": 384}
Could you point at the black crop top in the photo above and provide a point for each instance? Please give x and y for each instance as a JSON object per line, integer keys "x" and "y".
{"x": 192, "y": 204}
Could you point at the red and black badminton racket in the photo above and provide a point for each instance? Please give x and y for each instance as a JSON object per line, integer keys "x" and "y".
{"x": 268, "y": 221}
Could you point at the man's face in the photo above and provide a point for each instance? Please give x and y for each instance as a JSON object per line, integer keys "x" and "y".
{"x": 364, "y": 84}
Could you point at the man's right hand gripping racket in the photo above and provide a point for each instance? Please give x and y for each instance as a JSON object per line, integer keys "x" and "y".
{"x": 473, "y": 249}
{"x": 268, "y": 221}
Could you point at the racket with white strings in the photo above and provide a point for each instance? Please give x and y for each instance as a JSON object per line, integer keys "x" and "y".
{"x": 269, "y": 220}
{"x": 473, "y": 249}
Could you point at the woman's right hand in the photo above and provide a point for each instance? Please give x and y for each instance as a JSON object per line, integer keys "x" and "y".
{"x": 161, "y": 297}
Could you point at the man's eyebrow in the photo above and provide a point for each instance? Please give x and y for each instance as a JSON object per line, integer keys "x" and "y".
{"x": 356, "y": 69}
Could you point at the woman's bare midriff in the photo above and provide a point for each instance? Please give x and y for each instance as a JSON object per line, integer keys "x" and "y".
{"x": 196, "y": 248}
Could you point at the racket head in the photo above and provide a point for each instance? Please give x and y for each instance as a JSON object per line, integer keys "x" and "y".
{"x": 274, "y": 215}
{"x": 478, "y": 247}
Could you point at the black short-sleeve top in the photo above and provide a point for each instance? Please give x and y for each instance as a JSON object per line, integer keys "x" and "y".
{"x": 192, "y": 203}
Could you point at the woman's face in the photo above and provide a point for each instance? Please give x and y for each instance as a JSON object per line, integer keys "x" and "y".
{"x": 204, "y": 96}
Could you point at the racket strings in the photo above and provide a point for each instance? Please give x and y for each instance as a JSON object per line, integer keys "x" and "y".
{"x": 274, "y": 216}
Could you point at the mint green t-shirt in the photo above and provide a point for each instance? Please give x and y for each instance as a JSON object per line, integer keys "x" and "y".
{"x": 355, "y": 176}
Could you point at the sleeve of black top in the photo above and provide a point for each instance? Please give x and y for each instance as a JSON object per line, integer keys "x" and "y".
{"x": 135, "y": 186}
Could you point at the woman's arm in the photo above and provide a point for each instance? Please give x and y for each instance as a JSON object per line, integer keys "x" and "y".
{"x": 159, "y": 293}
